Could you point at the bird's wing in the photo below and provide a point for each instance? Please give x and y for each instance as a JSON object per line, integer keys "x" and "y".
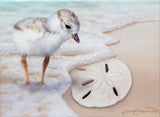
{"x": 33, "y": 28}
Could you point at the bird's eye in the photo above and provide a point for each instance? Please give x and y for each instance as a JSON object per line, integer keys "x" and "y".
{"x": 68, "y": 26}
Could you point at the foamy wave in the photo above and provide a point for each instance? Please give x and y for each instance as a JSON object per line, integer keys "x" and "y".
{"x": 95, "y": 17}
{"x": 36, "y": 100}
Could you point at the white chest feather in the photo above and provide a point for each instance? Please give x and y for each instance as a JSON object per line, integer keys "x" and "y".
{"x": 46, "y": 45}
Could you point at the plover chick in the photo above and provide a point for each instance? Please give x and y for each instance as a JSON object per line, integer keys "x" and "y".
{"x": 43, "y": 36}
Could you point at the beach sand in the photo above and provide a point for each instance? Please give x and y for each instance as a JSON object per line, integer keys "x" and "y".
{"x": 139, "y": 49}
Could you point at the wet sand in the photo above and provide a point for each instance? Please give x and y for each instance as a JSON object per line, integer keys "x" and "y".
{"x": 139, "y": 49}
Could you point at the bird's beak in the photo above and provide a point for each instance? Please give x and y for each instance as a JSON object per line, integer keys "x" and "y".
{"x": 75, "y": 37}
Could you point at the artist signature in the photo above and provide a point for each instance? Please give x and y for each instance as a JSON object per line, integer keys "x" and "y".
{"x": 137, "y": 111}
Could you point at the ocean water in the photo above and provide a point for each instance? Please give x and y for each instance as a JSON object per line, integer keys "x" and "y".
{"x": 95, "y": 18}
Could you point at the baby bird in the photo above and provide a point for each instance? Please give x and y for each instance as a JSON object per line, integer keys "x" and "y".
{"x": 43, "y": 36}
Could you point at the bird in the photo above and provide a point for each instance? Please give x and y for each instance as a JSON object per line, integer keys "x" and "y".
{"x": 41, "y": 36}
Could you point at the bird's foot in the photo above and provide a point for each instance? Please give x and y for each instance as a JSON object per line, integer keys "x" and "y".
{"x": 27, "y": 83}
{"x": 42, "y": 83}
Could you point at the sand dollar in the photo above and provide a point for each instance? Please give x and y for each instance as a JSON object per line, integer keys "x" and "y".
{"x": 101, "y": 84}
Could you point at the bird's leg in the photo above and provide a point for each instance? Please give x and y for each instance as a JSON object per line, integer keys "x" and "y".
{"x": 45, "y": 64}
{"x": 24, "y": 66}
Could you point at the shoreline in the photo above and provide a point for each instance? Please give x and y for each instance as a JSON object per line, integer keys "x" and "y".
{"x": 108, "y": 32}
{"x": 136, "y": 39}
{"x": 143, "y": 96}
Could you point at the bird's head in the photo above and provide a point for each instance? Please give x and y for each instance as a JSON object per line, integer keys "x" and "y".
{"x": 66, "y": 21}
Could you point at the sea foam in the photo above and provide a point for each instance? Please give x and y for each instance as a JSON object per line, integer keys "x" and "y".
{"x": 95, "y": 19}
